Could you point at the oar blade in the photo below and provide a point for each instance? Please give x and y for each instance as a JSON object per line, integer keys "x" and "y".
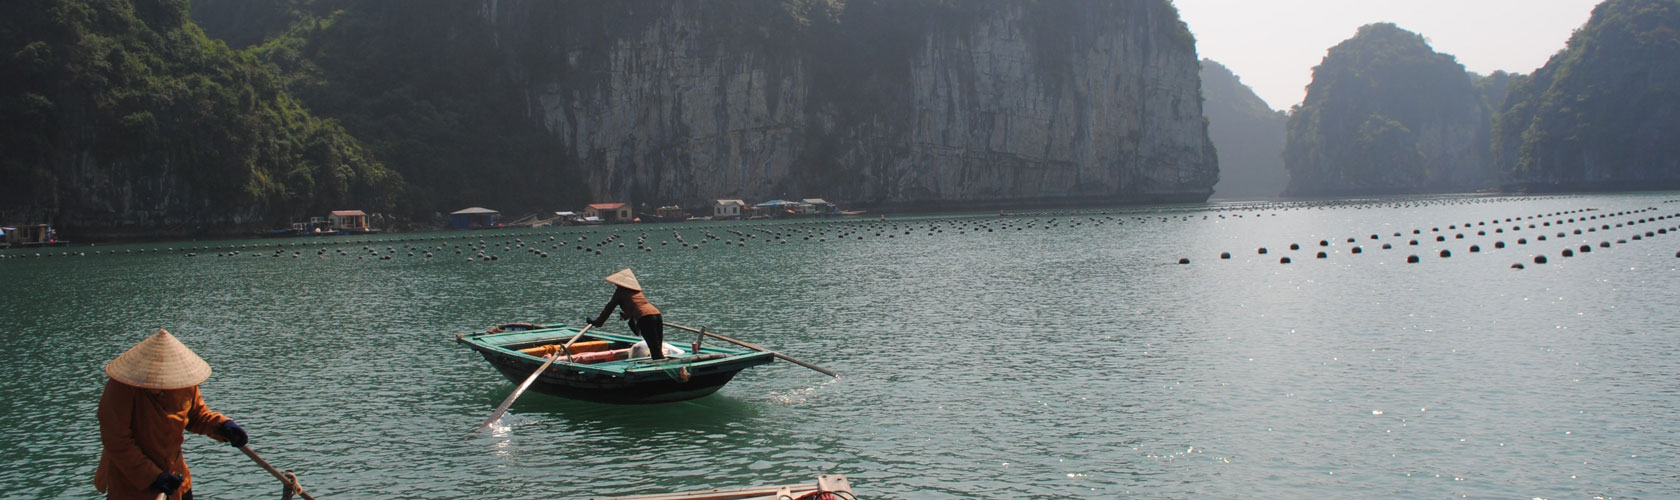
{"x": 508, "y": 403}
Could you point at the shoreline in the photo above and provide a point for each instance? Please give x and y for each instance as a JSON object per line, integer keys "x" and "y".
{"x": 896, "y": 209}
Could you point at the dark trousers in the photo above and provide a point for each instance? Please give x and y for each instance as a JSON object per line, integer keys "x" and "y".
{"x": 652, "y": 329}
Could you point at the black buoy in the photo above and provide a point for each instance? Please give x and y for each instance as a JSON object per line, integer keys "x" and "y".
{"x": 1358, "y": 250}
{"x": 1499, "y": 244}
{"x": 1522, "y": 241}
{"x": 1387, "y": 246}
{"x": 1322, "y": 255}
{"x": 1586, "y": 248}
{"x": 1225, "y": 255}
{"x": 1568, "y": 253}
{"x": 1262, "y": 250}
{"x": 1284, "y": 260}
{"x": 1446, "y": 253}
{"x": 1604, "y": 244}
{"x": 1475, "y": 248}
{"x": 1539, "y": 259}
{"x": 1183, "y": 260}
{"x": 1413, "y": 259}
{"x": 1517, "y": 266}
{"x": 1294, "y": 246}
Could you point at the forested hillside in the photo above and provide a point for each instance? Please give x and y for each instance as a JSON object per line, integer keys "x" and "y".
{"x": 123, "y": 118}
{"x": 1386, "y": 114}
{"x": 1604, "y": 112}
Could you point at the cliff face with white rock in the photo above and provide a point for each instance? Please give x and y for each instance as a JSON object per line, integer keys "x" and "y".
{"x": 873, "y": 103}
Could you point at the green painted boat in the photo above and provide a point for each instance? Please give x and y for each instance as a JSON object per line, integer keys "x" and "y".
{"x": 599, "y": 368}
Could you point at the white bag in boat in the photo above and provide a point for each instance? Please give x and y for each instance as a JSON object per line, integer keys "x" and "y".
{"x": 640, "y": 350}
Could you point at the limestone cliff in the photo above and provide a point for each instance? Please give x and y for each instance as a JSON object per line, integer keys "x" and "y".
{"x": 1249, "y": 135}
{"x": 873, "y": 102}
{"x": 1387, "y": 114}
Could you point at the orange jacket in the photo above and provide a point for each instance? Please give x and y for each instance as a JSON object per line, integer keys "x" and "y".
{"x": 141, "y": 430}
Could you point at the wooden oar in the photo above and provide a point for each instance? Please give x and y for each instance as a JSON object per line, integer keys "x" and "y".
{"x": 286, "y": 478}
{"x": 778, "y": 355}
{"x": 503, "y": 408}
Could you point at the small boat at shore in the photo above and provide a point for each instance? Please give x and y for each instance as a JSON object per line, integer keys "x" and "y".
{"x": 603, "y": 368}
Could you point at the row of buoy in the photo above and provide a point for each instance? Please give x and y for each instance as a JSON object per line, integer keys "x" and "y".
{"x": 1446, "y": 253}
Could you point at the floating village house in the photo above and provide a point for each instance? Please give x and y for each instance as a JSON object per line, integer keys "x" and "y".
{"x": 815, "y": 206}
{"x": 31, "y": 235}
{"x": 777, "y": 208}
{"x": 727, "y": 208}
{"x": 609, "y": 212}
{"x": 473, "y": 218}
{"x": 350, "y": 221}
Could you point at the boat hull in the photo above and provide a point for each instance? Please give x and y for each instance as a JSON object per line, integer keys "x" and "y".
{"x": 610, "y": 389}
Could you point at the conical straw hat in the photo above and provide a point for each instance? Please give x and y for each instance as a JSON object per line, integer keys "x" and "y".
{"x": 625, "y": 279}
{"x": 159, "y": 362}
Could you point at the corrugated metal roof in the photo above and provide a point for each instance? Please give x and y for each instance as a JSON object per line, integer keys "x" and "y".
{"x": 606, "y": 206}
{"x": 815, "y": 201}
{"x": 731, "y": 201}
{"x": 474, "y": 211}
{"x": 348, "y": 213}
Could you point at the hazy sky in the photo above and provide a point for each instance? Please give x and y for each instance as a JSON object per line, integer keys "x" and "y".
{"x": 1274, "y": 44}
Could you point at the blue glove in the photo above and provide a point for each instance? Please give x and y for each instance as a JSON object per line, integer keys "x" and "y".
{"x": 167, "y": 482}
{"x": 233, "y": 433}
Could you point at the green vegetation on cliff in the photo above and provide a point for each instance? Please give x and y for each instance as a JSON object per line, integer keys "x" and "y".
{"x": 1604, "y": 112}
{"x": 1384, "y": 114}
{"x": 121, "y": 117}
{"x": 1248, "y": 133}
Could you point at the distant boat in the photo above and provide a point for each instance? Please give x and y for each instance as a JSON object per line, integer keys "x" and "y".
{"x": 600, "y": 367}
{"x": 668, "y": 213}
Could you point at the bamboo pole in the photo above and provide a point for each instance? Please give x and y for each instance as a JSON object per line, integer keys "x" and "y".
{"x": 286, "y": 478}
{"x": 778, "y": 355}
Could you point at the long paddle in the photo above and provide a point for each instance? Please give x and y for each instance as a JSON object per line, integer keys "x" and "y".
{"x": 778, "y": 355}
{"x": 503, "y": 408}
{"x": 286, "y": 478}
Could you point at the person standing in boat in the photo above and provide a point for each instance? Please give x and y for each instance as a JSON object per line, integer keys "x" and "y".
{"x": 644, "y": 318}
{"x": 150, "y": 399}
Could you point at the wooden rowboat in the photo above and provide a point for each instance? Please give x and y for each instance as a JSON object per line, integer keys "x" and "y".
{"x": 827, "y": 487}
{"x": 599, "y": 368}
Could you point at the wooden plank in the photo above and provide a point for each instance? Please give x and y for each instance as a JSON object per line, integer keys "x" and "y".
{"x": 834, "y": 482}
{"x": 826, "y": 482}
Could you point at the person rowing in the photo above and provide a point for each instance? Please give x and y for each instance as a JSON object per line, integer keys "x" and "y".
{"x": 150, "y": 400}
{"x": 644, "y": 319}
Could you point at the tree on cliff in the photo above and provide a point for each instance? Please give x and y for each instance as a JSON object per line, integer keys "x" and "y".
{"x": 122, "y": 117}
{"x": 1604, "y": 112}
{"x": 1385, "y": 114}
{"x": 1248, "y": 133}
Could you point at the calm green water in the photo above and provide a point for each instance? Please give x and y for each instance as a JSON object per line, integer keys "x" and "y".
{"x": 1043, "y": 355}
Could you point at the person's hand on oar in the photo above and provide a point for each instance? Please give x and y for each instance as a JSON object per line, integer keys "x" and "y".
{"x": 167, "y": 482}
{"x": 231, "y": 432}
